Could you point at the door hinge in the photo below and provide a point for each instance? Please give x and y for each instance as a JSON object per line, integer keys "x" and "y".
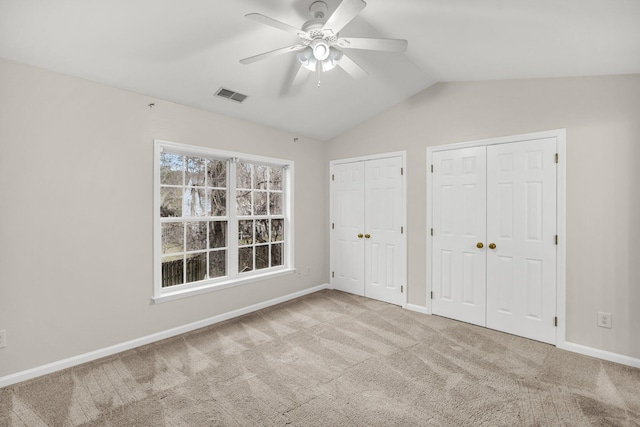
{"x": 431, "y": 294}
{"x": 333, "y": 177}
{"x": 401, "y": 289}
{"x": 555, "y": 321}
{"x": 401, "y": 171}
{"x": 432, "y": 231}
{"x": 556, "y": 239}
{"x": 556, "y": 157}
{"x": 333, "y": 274}
{"x": 333, "y": 225}
{"x": 431, "y": 168}
{"x": 401, "y": 230}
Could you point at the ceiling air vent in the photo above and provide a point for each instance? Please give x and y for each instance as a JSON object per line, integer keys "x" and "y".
{"x": 229, "y": 94}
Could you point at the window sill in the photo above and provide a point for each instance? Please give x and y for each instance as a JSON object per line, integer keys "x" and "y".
{"x": 169, "y": 295}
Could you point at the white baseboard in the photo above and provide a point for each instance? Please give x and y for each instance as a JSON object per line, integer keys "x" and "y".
{"x": 418, "y": 308}
{"x": 600, "y": 354}
{"x": 108, "y": 351}
{"x": 128, "y": 345}
{"x": 569, "y": 346}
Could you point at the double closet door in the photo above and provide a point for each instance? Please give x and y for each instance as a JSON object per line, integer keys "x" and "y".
{"x": 368, "y": 250}
{"x": 494, "y": 237}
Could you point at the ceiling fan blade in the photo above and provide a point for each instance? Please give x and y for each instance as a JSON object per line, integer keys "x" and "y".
{"x": 301, "y": 76}
{"x": 275, "y": 24}
{"x": 251, "y": 59}
{"x": 353, "y": 69}
{"x": 344, "y": 13}
{"x": 388, "y": 45}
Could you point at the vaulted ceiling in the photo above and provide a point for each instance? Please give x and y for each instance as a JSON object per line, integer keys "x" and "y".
{"x": 184, "y": 51}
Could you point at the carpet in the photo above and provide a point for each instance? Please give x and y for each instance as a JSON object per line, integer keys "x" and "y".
{"x": 333, "y": 359}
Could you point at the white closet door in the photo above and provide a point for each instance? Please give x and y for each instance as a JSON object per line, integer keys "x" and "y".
{"x": 385, "y": 271}
{"x": 347, "y": 248}
{"x": 459, "y": 220}
{"x": 521, "y": 212}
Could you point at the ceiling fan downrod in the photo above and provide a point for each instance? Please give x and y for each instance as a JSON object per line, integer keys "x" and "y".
{"x": 318, "y": 9}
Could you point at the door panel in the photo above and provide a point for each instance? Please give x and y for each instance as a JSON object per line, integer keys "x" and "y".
{"x": 385, "y": 270}
{"x": 521, "y": 212}
{"x": 459, "y": 220}
{"x": 347, "y": 248}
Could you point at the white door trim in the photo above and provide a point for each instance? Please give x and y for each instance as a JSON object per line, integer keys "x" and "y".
{"x": 561, "y": 139}
{"x": 403, "y": 155}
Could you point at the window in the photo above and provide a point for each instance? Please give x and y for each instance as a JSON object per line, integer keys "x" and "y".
{"x": 221, "y": 219}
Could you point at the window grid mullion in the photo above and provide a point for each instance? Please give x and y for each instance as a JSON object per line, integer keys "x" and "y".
{"x": 232, "y": 235}
{"x": 253, "y": 212}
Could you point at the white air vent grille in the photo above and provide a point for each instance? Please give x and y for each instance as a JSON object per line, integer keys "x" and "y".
{"x": 229, "y": 94}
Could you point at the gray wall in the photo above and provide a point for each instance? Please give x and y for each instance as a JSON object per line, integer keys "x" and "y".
{"x": 76, "y": 184}
{"x": 76, "y": 216}
{"x": 602, "y": 118}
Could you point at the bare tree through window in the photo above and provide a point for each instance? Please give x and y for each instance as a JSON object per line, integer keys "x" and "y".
{"x": 193, "y": 191}
{"x": 259, "y": 203}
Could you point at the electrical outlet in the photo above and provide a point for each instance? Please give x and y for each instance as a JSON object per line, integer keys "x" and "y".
{"x": 604, "y": 320}
{"x": 3, "y": 338}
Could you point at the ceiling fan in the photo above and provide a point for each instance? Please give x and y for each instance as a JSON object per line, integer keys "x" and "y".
{"x": 321, "y": 47}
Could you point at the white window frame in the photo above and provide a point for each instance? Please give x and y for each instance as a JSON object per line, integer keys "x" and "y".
{"x": 233, "y": 278}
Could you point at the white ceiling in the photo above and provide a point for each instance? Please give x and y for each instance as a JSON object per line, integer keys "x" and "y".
{"x": 183, "y": 51}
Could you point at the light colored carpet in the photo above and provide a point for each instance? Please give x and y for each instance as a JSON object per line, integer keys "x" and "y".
{"x": 333, "y": 359}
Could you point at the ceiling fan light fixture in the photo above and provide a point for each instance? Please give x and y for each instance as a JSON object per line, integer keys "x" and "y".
{"x": 333, "y": 60}
{"x": 321, "y": 49}
{"x": 307, "y": 60}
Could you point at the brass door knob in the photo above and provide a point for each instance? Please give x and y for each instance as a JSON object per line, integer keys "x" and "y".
{"x": 367, "y": 236}
{"x": 492, "y": 245}
{"x": 360, "y": 236}
{"x": 479, "y": 245}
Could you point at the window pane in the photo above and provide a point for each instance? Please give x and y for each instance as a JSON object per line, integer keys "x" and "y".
{"x": 245, "y": 232}
{"x": 262, "y": 257}
{"x": 243, "y": 200}
{"x": 195, "y": 171}
{"x": 243, "y": 175}
{"x": 172, "y": 237}
{"x": 260, "y": 172}
{"x": 170, "y": 202}
{"x": 216, "y": 173}
{"x": 245, "y": 259}
{"x": 218, "y": 202}
{"x": 277, "y": 230}
{"x": 170, "y": 169}
{"x": 196, "y": 267}
{"x": 196, "y": 236}
{"x": 195, "y": 202}
{"x": 275, "y": 178}
{"x": 260, "y": 203}
{"x": 217, "y": 264}
{"x": 172, "y": 270}
{"x": 276, "y": 254}
{"x": 217, "y": 234}
{"x": 262, "y": 231}
{"x": 275, "y": 203}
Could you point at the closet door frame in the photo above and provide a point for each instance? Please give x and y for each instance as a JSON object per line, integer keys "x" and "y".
{"x": 403, "y": 156}
{"x": 560, "y": 136}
